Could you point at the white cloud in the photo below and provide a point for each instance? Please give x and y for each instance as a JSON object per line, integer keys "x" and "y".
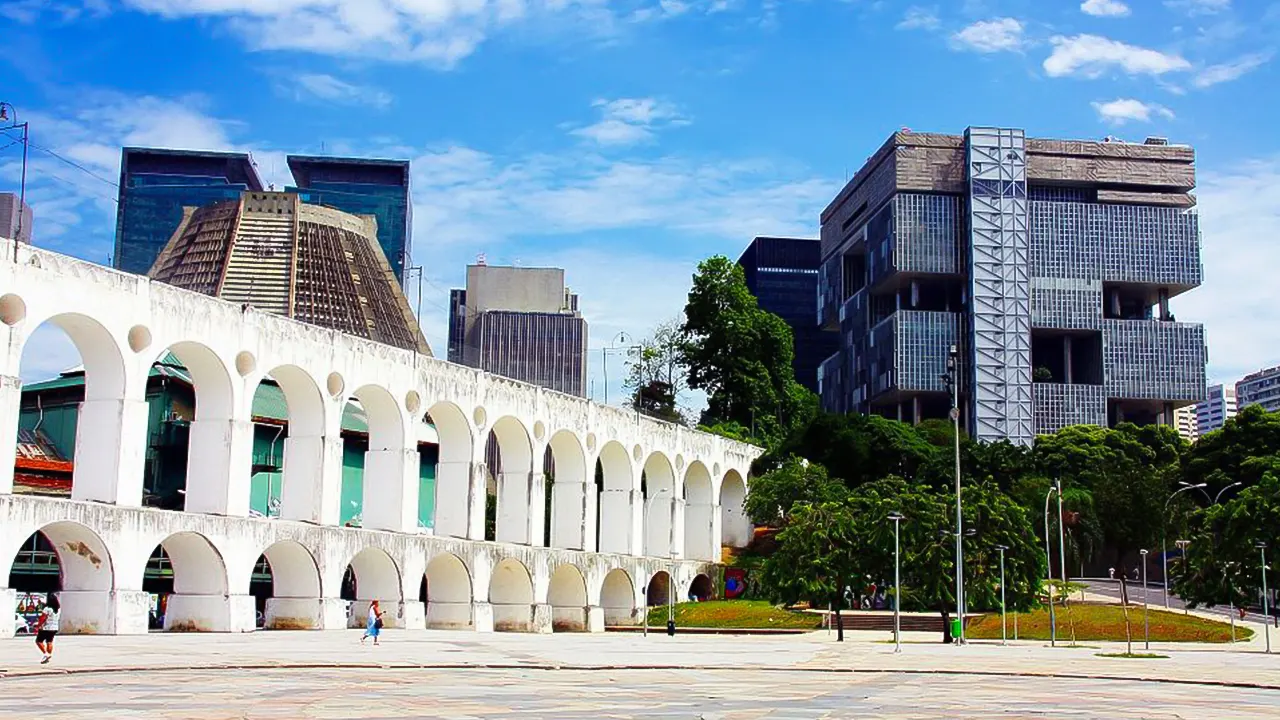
{"x": 989, "y": 36}
{"x": 1091, "y": 55}
{"x": 1104, "y": 8}
{"x": 1199, "y": 7}
{"x": 919, "y": 18}
{"x": 1226, "y": 72}
{"x": 320, "y": 86}
{"x": 627, "y": 121}
{"x": 1123, "y": 110}
{"x": 1240, "y": 221}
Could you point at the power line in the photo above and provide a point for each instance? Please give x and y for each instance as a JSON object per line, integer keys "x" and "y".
{"x": 72, "y": 163}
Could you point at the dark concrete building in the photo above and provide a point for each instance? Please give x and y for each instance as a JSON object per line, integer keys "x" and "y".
{"x": 783, "y": 275}
{"x": 155, "y": 186}
{"x": 1047, "y": 264}
{"x": 363, "y": 187}
{"x": 521, "y": 323}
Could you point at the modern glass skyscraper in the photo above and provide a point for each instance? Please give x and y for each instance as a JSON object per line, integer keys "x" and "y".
{"x": 1047, "y": 264}
{"x": 783, "y": 275}
{"x": 155, "y": 186}
{"x": 363, "y": 187}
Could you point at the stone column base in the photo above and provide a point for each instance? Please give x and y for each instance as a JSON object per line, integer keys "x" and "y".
{"x": 101, "y": 612}
{"x": 595, "y": 619}
{"x": 412, "y": 615}
{"x": 482, "y": 617}
{"x": 210, "y": 613}
{"x": 563, "y": 619}
{"x": 405, "y": 615}
{"x": 544, "y": 618}
{"x": 306, "y": 614}
{"x": 449, "y": 615}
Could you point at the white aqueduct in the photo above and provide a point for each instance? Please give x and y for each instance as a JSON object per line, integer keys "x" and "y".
{"x": 692, "y": 502}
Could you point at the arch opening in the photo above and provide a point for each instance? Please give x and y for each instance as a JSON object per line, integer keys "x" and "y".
{"x": 699, "y": 514}
{"x": 659, "y": 507}
{"x": 452, "y": 506}
{"x": 511, "y": 597}
{"x": 735, "y": 526}
{"x": 567, "y": 465}
{"x": 373, "y": 470}
{"x": 701, "y": 589}
{"x": 616, "y": 484}
{"x": 618, "y": 598}
{"x": 659, "y": 591}
{"x": 71, "y": 560}
{"x": 73, "y": 375}
{"x": 286, "y": 587}
{"x": 448, "y": 599}
{"x": 567, "y": 595}
{"x": 509, "y": 458}
{"x": 288, "y": 414}
{"x": 372, "y": 575}
{"x": 187, "y": 581}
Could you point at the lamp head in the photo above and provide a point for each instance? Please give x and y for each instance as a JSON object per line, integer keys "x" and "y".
{"x": 895, "y": 516}
{"x": 1002, "y": 548}
{"x": 1143, "y": 552}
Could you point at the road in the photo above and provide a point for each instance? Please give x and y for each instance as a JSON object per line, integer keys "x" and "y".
{"x": 1111, "y": 589}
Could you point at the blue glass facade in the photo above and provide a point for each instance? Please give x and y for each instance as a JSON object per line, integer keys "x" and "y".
{"x": 155, "y": 186}
{"x": 783, "y": 275}
{"x": 1048, "y": 264}
{"x": 363, "y": 187}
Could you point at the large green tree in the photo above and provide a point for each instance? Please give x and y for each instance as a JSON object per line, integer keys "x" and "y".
{"x": 741, "y": 356}
{"x": 859, "y": 449}
{"x": 796, "y": 481}
{"x": 817, "y": 557}
{"x": 1220, "y": 458}
{"x": 655, "y": 376}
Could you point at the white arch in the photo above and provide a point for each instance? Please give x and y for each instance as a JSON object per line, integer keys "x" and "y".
{"x": 567, "y": 595}
{"x": 659, "y": 506}
{"x": 108, "y": 462}
{"x": 219, "y": 451}
{"x": 448, "y": 592}
{"x": 616, "y": 526}
{"x": 618, "y": 598}
{"x": 294, "y": 573}
{"x": 701, "y": 587}
{"x": 377, "y": 578}
{"x": 514, "y": 480}
{"x": 391, "y": 473}
{"x": 570, "y": 492}
{"x": 735, "y": 527}
{"x": 86, "y": 577}
{"x": 198, "y": 567}
{"x": 308, "y": 485}
{"x": 511, "y": 595}
{"x": 699, "y": 514}
{"x": 455, "y": 516}
{"x": 659, "y": 589}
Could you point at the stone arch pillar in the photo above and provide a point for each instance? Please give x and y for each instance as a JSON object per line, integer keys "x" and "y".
{"x": 569, "y": 494}
{"x": 391, "y": 465}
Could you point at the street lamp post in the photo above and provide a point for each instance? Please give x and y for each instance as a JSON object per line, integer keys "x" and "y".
{"x": 897, "y": 586}
{"x": 1182, "y": 557}
{"x": 1164, "y": 527}
{"x": 1266, "y": 610}
{"x": 951, "y": 378}
{"x": 1048, "y": 559}
{"x": 621, "y": 337}
{"x": 1146, "y": 621}
{"x": 1004, "y": 638}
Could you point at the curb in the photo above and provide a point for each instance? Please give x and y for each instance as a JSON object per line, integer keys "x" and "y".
{"x": 545, "y": 667}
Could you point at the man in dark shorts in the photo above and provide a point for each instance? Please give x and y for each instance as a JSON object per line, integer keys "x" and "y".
{"x": 47, "y": 627}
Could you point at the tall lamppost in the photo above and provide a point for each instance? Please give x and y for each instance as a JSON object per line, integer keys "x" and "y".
{"x": 1146, "y": 622}
{"x": 1004, "y": 639}
{"x": 952, "y": 380}
{"x": 613, "y": 347}
{"x": 1182, "y": 558}
{"x": 1048, "y": 559}
{"x": 1266, "y": 610}
{"x": 1164, "y": 527}
{"x": 896, "y": 517}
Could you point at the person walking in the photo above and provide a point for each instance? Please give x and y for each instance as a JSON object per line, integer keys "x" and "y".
{"x": 47, "y": 627}
{"x": 373, "y": 625}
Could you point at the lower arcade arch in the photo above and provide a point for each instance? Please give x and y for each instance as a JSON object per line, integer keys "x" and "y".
{"x": 659, "y": 590}
{"x": 372, "y": 575}
{"x": 285, "y": 586}
{"x": 447, "y": 586}
{"x": 618, "y": 598}
{"x": 187, "y": 580}
{"x": 567, "y": 596}
{"x": 71, "y": 560}
{"x": 511, "y": 597}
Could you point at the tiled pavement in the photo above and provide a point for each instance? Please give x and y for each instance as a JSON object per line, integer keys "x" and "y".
{"x": 465, "y": 675}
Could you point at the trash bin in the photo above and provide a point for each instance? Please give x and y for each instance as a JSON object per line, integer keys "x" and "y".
{"x": 955, "y": 627}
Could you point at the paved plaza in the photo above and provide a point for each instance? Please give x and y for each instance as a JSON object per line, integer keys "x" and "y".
{"x": 469, "y": 675}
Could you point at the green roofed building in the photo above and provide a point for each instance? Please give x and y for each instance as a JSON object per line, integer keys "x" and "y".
{"x": 47, "y": 433}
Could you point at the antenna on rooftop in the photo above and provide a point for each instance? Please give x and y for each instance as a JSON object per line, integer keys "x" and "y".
{"x": 481, "y": 260}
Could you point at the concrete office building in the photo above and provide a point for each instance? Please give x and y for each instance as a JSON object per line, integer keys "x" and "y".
{"x": 783, "y": 275}
{"x": 1218, "y": 406}
{"x": 155, "y": 186}
{"x": 15, "y": 218}
{"x": 1260, "y": 388}
{"x": 1048, "y": 264}
{"x": 314, "y": 264}
{"x": 363, "y": 186}
{"x": 1185, "y": 420}
{"x": 521, "y": 323}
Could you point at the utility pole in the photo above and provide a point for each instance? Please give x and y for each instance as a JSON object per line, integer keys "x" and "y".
{"x": 9, "y": 114}
{"x": 951, "y": 378}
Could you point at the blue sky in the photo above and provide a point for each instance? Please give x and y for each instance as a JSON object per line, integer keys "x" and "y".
{"x": 626, "y": 140}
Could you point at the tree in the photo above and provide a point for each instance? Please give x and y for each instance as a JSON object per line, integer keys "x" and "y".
{"x": 816, "y": 557}
{"x": 655, "y": 377}
{"x": 1222, "y": 564}
{"x": 1219, "y": 458}
{"x": 657, "y": 400}
{"x": 741, "y": 356}
{"x": 858, "y": 449}
{"x": 796, "y": 481}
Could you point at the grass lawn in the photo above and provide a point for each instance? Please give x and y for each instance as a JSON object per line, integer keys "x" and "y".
{"x": 1106, "y": 622}
{"x": 735, "y": 614}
